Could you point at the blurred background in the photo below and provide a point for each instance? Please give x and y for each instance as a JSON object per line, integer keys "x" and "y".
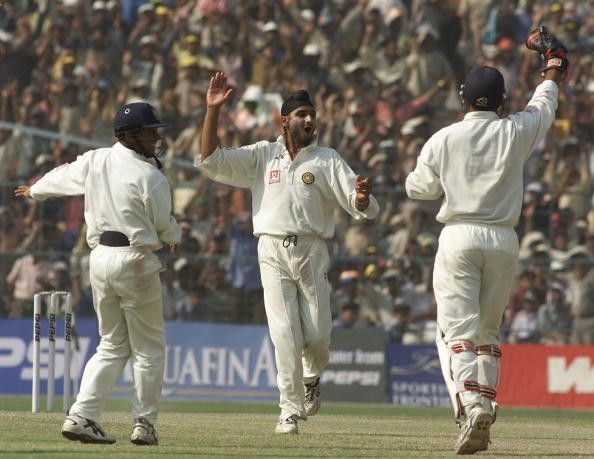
{"x": 384, "y": 74}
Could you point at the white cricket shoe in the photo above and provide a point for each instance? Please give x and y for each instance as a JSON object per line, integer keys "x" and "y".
{"x": 475, "y": 434}
{"x": 143, "y": 433}
{"x": 312, "y": 398}
{"x": 77, "y": 428}
{"x": 287, "y": 425}
{"x": 492, "y": 407}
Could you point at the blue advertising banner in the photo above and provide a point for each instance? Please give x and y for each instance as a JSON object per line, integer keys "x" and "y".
{"x": 206, "y": 361}
{"x": 415, "y": 376}
{"x": 16, "y": 354}
{"x": 215, "y": 361}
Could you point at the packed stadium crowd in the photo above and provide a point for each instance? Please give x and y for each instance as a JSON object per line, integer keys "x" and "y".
{"x": 384, "y": 74}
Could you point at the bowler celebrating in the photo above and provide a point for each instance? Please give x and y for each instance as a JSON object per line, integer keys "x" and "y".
{"x": 296, "y": 185}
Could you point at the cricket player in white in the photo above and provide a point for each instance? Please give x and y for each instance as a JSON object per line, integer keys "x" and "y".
{"x": 295, "y": 185}
{"x": 128, "y": 216}
{"x": 476, "y": 165}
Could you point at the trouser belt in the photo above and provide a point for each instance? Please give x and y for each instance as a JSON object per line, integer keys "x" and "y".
{"x": 114, "y": 239}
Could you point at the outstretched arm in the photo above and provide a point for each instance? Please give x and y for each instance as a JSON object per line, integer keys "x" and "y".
{"x": 217, "y": 95}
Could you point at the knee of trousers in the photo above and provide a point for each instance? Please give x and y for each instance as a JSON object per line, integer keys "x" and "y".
{"x": 320, "y": 344}
{"x": 154, "y": 354}
{"x": 114, "y": 351}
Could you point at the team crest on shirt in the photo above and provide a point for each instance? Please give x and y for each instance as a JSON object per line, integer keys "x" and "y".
{"x": 274, "y": 176}
{"x": 308, "y": 178}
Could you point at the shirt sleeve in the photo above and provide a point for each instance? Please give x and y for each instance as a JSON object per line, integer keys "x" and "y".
{"x": 158, "y": 208}
{"x": 538, "y": 116}
{"x": 343, "y": 186}
{"x": 232, "y": 166}
{"x": 65, "y": 180}
{"x": 424, "y": 182}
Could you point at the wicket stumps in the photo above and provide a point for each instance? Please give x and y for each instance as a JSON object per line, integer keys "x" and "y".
{"x": 53, "y": 309}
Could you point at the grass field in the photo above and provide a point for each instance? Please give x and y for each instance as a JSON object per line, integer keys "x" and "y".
{"x": 211, "y": 430}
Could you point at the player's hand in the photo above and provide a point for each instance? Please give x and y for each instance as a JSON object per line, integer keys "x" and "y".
{"x": 173, "y": 248}
{"x": 23, "y": 191}
{"x": 551, "y": 50}
{"x": 362, "y": 187}
{"x": 363, "y": 190}
{"x": 218, "y": 92}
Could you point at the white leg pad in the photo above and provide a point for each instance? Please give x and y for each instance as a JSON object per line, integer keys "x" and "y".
{"x": 444, "y": 360}
{"x": 460, "y": 373}
{"x": 488, "y": 371}
{"x": 465, "y": 371}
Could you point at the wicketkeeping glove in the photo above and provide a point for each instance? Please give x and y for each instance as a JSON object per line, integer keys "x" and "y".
{"x": 551, "y": 50}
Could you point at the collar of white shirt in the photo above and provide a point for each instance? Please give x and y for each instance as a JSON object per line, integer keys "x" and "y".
{"x": 481, "y": 115}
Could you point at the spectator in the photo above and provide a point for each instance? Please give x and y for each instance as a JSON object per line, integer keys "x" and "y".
{"x": 244, "y": 274}
{"x": 347, "y": 318}
{"x": 580, "y": 290}
{"x": 524, "y": 326}
{"x": 114, "y": 51}
{"x": 28, "y": 276}
{"x": 400, "y": 325}
{"x": 554, "y": 317}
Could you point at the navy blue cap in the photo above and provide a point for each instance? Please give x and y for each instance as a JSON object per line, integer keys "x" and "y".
{"x": 484, "y": 88}
{"x": 297, "y": 99}
{"x": 136, "y": 116}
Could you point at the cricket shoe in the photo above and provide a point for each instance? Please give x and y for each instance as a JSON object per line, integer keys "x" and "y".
{"x": 287, "y": 425}
{"x": 475, "y": 432}
{"x": 312, "y": 397}
{"x": 492, "y": 407}
{"x": 143, "y": 433}
{"x": 77, "y": 428}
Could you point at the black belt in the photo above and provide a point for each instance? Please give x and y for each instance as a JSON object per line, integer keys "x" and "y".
{"x": 288, "y": 240}
{"x": 114, "y": 239}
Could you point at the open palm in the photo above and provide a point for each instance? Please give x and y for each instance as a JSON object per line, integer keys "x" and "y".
{"x": 219, "y": 91}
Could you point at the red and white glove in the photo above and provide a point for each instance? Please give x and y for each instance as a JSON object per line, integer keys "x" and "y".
{"x": 552, "y": 51}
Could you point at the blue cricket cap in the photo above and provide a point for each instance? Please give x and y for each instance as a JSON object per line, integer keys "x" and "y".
{"x": 136, "y": 116}
{"x": 484, "y": 88}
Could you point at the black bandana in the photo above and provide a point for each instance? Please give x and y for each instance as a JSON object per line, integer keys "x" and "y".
{"x": 296, "y": 100}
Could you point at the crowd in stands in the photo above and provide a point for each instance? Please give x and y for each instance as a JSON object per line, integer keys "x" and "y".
{"x": 385, "y": 74}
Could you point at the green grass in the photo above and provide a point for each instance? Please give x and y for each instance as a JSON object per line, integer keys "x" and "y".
{"x": 220, "y": 429}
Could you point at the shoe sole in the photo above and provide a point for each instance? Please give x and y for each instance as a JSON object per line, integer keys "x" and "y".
{"x": 141, "y": 442}
{"x": 478, "y": 438}
{"x": 287, "y": 432}
{"x": 83, "y": 438}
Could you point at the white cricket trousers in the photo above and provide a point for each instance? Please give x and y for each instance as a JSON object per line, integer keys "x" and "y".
{"x": 297, "y": 302}
{"x": 473, "y": 276}
{"x": 128, "y": 302}
{"x": 472, "y": 280}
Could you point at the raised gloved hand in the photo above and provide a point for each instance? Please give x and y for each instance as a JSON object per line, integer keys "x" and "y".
{"x": 551, "y": 50}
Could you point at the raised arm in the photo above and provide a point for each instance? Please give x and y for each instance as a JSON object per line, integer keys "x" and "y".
{"x": 217, "y": 95}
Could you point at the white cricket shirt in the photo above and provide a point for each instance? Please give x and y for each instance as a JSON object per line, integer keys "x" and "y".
{"x": 123, "y": 192}
{"x": 476, "y": 164}
{"x": 289, "y": 197}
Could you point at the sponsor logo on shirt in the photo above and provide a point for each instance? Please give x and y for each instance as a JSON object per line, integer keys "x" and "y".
{"x": 274, "y": 176}
{"x": 308, "y": 178}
